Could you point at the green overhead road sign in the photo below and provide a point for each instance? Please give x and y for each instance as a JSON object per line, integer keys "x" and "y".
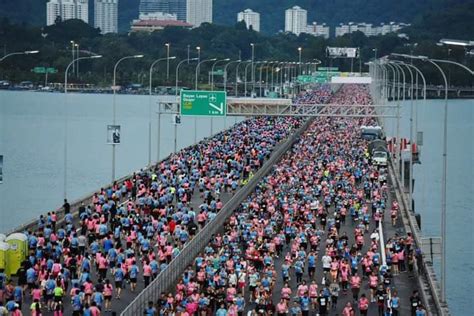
{"x": 328, "y": 69}
{"x": 203, "y": 103}
{"x": 218, "y": 72}
{"x": 39, "y": 70}
{"x": 43, "y": 70}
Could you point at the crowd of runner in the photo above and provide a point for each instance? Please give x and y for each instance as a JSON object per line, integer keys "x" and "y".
{"x": 320, "y": 94}
{"x": 134, "y": 229}
{"x": 306, "y": 241}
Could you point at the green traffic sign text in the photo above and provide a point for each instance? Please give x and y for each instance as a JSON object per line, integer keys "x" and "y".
{"x": 203, "y": 103}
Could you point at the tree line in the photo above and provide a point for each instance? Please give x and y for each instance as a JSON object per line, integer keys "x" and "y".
{"x": 215, "y": 41}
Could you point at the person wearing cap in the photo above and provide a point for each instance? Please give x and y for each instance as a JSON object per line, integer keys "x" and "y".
{"x": 16, "y": 310}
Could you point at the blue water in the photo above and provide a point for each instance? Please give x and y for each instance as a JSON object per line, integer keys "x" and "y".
{"x": 32, "y": 142}
{"x": 460, "y": 189}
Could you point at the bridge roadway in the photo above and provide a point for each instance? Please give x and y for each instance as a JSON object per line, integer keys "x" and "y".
{"x": 405, "y": 283}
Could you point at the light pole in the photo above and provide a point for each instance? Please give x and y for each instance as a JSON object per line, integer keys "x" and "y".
{"x": 260, "y": 77}
{"x": 225, "y": 72}
{"x": 424, "y": 92}
{"x": 77, "y": 56}
{"x": 198, "y": 48}
{"x": 237, "y": 77}
{"x": 177, "y": 73}
{"x": 253, "y": 71}
{"x": 28, "y": 52}
{"x": 299, "y": 58}
{"x": 245, "y": 75}
{"x": 167, "y": 60}
{"x": 403, "y": 76}
{"x": 189, "y": 52}
{"x": 278, "y": 69}
{"x": 176, "y": 94}
{"x": 410, "y": 184}
{"x": 252, "y": 75}
{"x": 66, "y": 118}
{"x": 198, "y": 68}
{"x": 375, "y": 53}
{"x": 114, "y": 107}
{"x": 149, "y": 105}
{"x": 212, "y": 71}
{"x": 73, "y": 52}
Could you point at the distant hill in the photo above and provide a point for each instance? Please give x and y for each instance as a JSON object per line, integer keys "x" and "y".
{"x": 331, "y": 12}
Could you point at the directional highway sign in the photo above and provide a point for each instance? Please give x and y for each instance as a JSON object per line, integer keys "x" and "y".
{"x": 203, "y": 103}
{"x": 43, "y": 70}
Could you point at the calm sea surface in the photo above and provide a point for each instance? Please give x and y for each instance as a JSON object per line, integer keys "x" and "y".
{"x": 32, "y": 140}
{"x": 460, "y": 189}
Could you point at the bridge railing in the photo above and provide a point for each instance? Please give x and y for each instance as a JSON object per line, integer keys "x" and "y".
{"x": 426, "y": 276}
{"x": 168, "y": 277}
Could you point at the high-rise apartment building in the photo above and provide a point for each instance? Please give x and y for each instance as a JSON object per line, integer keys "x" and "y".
{"x": 316, "y": 29}
{"x": 105, "y": 15}
{"x": 198, "y": 12}
{"x": 296, "y": 20}
{"x": 251, "y": 19}
{"x": 66, "y": 10}
{"x": 177, "y": 7}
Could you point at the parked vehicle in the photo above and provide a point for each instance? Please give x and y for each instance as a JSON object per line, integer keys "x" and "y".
{"x": 379, "y": 153}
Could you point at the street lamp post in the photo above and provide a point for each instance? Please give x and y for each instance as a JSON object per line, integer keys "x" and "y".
{"x": 237, "y": 77}
{"x": 396, "y": 83}
{"x": 167, "y": 60}
{"x": 212, "y": 71}
{"x": 198, "y": 68}
{"x": 260, "y": 77}
{"x": 176, "y": 94}
{"x": 177, "y": 73}
{"x": 403, "y": 76}
{"x": 410, "y": 184}
{"x": 149, "y": 106}
{"x": 245, "y": 82}
{"x": 252, "y": 75}
{"x": 300, "y": 49}
{"x": 66, "y": 119}
{"x": 77, "y": 56}
{"x": 73, "y": 52}
{"x": 198, "y": 48}
{"x": 419, "y": 72}
{"x": 114, "y": 107}
{"x": 225, "y": 72}
{"x": 28, "y": 52}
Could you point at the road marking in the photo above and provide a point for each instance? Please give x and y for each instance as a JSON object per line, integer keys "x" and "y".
{"x": 218, "y": 108}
